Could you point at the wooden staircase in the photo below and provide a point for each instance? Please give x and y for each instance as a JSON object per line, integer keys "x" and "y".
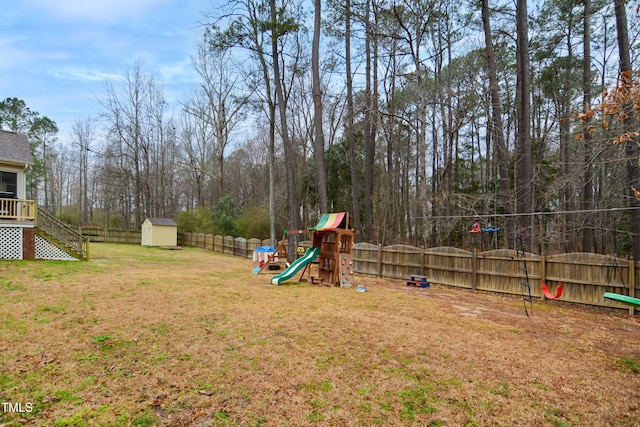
{"x": 62, "y": 235}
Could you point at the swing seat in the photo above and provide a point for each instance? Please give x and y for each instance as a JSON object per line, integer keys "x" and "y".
{"x": 491, "y": 230}
{"x": 547, "y": 294}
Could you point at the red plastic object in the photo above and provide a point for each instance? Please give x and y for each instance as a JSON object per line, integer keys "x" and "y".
{"x": 547, "y": 294}
{"x": 475, "y": 228}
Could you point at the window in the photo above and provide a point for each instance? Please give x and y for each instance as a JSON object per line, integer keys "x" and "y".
{"x": 8, "y": 185}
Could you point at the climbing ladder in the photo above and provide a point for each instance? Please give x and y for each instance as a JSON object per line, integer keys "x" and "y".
{"x": 525, "y": 285}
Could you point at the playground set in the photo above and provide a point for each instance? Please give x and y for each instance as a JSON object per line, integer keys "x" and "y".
{"x": 331, "y": 251}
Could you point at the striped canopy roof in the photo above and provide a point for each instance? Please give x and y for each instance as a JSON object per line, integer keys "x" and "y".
{"x": 329, "y": 221}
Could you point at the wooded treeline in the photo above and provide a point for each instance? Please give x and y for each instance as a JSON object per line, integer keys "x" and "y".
{"x": 412, "y": 115}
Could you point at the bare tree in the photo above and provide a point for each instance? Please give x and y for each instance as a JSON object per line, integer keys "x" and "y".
{"x": 135, "y": 119}
{"x": 195, "y": 158}
{"x": 219, "y": 104}
{"x": 244, "y": 29}
{"x": 414, "y": 20}
{"x": 83, "y": 136}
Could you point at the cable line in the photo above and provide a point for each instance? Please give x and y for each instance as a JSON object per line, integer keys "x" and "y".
{"x": 529, "y": 213}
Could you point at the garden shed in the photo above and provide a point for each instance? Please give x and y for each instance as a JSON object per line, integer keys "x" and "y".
{"x": 159, "y": 232}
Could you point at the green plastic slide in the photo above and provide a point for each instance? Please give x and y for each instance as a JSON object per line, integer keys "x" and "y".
{"x": 297, "y": 265}
{"x": 623, "y": 298}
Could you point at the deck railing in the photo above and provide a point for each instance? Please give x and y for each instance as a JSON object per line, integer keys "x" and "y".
{"x": 16, "y": 209}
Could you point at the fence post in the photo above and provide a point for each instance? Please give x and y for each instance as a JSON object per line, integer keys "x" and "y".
{"x": 632, "y": 284}
{"x": 543, "y": 272}
{"x": 379, "y": 260}
{"x": 422, "y": 272}
{"x": 474, "y": 269}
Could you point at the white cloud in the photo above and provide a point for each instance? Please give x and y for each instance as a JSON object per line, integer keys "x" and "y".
{"x": 85, "y": 74}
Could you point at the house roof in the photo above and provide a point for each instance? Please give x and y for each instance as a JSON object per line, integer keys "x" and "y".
{"x": 162, "y": 221}
{"x": 14, "y": 148}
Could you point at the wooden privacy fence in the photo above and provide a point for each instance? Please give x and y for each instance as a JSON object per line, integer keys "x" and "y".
{"x": 238, "y": 246}
{"x": 585, "y": 277}
{"x": 111, "y": 235}
{"x": 114, "y": 235}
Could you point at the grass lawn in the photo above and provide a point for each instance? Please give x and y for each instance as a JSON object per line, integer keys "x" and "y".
{"x": 143, "y": 336}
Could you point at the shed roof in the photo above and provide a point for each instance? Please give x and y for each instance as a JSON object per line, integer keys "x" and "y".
{"x": 14, "y": 148}
{"x": 163, "y": 221}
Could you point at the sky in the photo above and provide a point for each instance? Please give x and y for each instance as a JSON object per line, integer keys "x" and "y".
{"x": 57, "y": 55}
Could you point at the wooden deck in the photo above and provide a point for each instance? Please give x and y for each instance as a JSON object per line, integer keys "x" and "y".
{"x": 16, "y": 223}
{"x": 17, "y": 210}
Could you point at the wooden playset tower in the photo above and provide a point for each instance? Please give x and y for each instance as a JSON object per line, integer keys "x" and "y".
{"x": 334, "y": 237}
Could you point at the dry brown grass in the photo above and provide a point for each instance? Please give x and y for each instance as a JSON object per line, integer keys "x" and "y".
{"x": 144, "y": 337}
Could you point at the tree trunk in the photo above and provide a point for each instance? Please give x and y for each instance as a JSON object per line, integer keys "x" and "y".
{"x": 317, "y": 104}
{"x": 272, "y": 175}
{"x": 523, "y": 133}
{"x": 369, "y": 138}
{"x": 284, "y": 130}
{"x": 502, "y": 155}
{"x": 350, "y": 124}
{"x": 588, "y": 244}
{"x": 632, "y": 181}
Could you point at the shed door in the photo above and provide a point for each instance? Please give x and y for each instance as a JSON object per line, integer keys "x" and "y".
{"x": 147, "y": 239}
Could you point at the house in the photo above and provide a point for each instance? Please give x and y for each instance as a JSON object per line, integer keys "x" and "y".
{"x": 159, "y": 232}
{"x": 27, "y": 232}
{"x": 15, "y": 162}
